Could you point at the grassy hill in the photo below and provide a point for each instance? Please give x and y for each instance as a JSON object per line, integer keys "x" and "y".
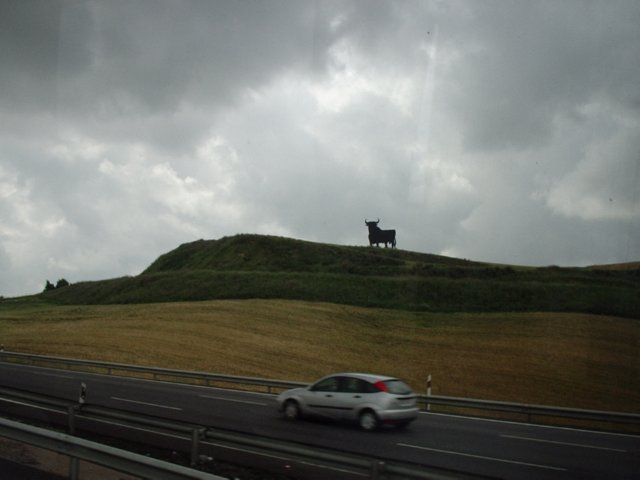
{"x": 267, "y": 267}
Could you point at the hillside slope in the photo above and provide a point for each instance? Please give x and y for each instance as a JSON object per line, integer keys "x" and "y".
{"x": 278, "y": 254}
{"x": 257, "y": 266}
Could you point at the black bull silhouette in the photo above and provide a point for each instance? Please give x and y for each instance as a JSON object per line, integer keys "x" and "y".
{"x": 377, "y": 236}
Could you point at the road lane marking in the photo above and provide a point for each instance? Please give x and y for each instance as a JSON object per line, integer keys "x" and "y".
{"x": 30, "y": 405}
{"x": 502, "y": 460}
{"x": 529, "y": 439}
{"x": 529, "y": 425}
{"x": 145, "y": 403}
{"x": 244, "y": 392}
{"x": 249, "y": 402}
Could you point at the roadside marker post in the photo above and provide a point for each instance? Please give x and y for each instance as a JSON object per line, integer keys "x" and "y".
{"x": 428, "y": 391}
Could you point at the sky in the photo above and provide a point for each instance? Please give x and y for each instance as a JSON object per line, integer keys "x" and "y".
{"x": 498, "y": 131}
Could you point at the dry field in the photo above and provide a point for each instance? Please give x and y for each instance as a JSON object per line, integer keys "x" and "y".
{"x": 574, "y": 360}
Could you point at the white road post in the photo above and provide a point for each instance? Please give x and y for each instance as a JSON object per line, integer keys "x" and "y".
{"x": 428, "y": 392}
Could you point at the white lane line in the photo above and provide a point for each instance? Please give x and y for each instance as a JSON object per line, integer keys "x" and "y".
{"x": 145, "y": 403}
{"x": 502, "y": 460}
{"x": 237, "y": 390}
{"x": 249, "y": 402}
{"x": 581, "y": 445}
{"x": 16, "y": 402}
{"x": 529, "y": 425}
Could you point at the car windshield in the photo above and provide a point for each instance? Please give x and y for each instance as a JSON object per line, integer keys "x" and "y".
{"x": 397, "y": 387}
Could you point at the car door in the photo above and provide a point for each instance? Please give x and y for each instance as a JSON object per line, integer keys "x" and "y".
{"x": 354, "y": 392}
{"x": 323, "y": 398}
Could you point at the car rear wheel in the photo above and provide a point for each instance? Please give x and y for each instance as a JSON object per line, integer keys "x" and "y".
{"x": 291, "y": 410}
{"x": 369, "y": 421}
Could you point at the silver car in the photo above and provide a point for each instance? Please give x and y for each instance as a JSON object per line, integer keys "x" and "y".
{"x": 371, "y": 400}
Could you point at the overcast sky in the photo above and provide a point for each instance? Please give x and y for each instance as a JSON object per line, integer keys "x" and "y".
{"x": 504, "y": 131}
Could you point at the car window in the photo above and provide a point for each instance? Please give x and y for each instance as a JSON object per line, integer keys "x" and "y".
{"x": 397, "y": 387}
{"x": 356, "y": 385}
{"x": 327, "y": 385}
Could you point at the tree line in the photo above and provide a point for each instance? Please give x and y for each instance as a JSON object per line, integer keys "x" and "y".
{"x": 59, "y": 284}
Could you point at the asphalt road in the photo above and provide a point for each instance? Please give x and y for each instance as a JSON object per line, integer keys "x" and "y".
{"x": 483, "y": 447}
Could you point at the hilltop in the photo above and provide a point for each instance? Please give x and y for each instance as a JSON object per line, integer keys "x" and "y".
{"x": 258, "y": 266}
{"x": 279, "y": 254}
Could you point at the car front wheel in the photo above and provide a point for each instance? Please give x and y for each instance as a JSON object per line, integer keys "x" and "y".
{"x": 291, "y": 410}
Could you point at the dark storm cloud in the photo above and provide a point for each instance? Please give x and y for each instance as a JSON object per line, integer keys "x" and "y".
{"x": 28, "y": 52}
{"x": 109, "y": 65}
{"x": 487, "y": 130}
{"x": 519, "y": 67}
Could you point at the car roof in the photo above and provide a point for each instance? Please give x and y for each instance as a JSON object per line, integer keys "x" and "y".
{"x": 369, "y": 377}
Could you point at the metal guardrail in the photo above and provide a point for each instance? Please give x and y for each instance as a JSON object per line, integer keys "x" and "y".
{"x": 107, "y": 456}
{"x": 527, "y": 410}
{"x": 537, "y": 410}
{"x": 155, "y": 373}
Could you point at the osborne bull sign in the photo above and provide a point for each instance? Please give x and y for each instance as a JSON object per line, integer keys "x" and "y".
{"x": 378, "y": 236}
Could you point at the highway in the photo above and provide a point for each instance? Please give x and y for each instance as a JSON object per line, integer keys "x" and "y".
{"x": 495, "y": 449}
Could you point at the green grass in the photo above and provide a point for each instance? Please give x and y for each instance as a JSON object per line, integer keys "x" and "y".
{"x": 256, "y": 266}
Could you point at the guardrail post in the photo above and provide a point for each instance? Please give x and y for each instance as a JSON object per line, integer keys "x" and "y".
{"x": 73, "y": 461}
{"x": 196, "y": 435}
{"x": 71, "y": 419}
{"x": 377, "y": 467}
{"x": 82, "y": 396}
